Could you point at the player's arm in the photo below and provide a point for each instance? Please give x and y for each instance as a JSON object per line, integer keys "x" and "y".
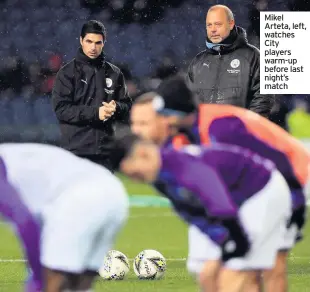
{"x": 191, "y": 173}
{"x": 201, "y": 179}
{"x": 190, "y": 75}
{"x": 65, "y": 107}
{"x": 13, "y": 209}
{"x": 123, "y": 100}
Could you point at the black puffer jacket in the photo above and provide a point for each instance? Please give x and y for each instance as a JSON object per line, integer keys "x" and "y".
{"x": 230, "y": 75}
{"x": 79, "y": 90}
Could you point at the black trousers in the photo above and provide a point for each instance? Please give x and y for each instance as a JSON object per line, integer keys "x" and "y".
{"x": 99, "y": 159}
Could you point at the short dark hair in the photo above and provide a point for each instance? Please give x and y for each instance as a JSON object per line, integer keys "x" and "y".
{"x": 176, "y": 95}
{"x": 122, "y": 147}
{"x": 93, "y": 26}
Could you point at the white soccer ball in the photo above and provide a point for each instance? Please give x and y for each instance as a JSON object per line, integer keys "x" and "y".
{"x": 149, "y": 264}
{"x": 115, "y": 266}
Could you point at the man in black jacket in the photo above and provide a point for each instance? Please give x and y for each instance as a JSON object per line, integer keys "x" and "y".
{"x": 228, "y": 70}
{"x": 89, "y": 96}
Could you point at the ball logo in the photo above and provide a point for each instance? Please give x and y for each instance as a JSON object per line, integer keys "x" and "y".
{"x": 235, "y": 63}
{"x": 122, "y": 274}
{"x": 146, "y": 266}
{"x": 109, "y": 82}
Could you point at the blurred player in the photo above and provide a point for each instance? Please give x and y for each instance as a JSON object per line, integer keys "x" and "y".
{"x": 239, "y": 127}
{"x": 75, "y": 206}
{"x": 238, "y": 190}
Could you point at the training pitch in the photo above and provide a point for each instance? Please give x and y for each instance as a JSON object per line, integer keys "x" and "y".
{"x": 147, "y": 228}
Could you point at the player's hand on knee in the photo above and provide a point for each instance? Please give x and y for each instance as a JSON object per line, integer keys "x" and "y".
{"x": 32, "y": 285}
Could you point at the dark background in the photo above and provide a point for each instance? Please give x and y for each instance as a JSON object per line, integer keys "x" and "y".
{"x": 148, "y": 39}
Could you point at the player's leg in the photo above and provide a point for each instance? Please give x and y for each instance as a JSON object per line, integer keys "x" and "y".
{"x": 275, "y": 280}
{"x": 71, "y": 234}
{"x": 203, "y": 257}
{"x": 254, "y": 282}
{"x": 234, "y": 281}
{"x": 264, "y": 217}
{"x": 55, "y": 281}
{"x": 58, "y": 281}
{"x": 209, "y": 275}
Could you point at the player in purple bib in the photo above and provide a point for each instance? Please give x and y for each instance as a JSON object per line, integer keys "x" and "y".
{"x": 239, "y": 191}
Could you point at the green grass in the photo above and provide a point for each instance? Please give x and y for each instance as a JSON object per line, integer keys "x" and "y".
{"x": 155, "y": 228}
{"x": 148, "y": 228}
{"x": 134, "y": 188}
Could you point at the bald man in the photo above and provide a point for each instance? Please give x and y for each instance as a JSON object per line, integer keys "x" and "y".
{"x": 227, "y": 71}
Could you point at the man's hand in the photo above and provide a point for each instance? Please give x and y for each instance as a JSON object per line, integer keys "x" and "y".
{"x": 107, "y": 110}
{"x": 32, "y": 285}
{"x": 112, "y": 106}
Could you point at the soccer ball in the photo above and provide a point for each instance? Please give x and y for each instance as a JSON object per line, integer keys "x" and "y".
{"x": 149, "y": 264}
{"x": 115, "y": 266}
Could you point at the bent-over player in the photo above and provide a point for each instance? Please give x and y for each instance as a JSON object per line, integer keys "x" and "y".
{"x": 67, "y": 211}
{"x": 238, "y": 190}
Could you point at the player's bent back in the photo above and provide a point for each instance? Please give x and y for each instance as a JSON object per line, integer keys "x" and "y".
{"x": 261, "y": 128}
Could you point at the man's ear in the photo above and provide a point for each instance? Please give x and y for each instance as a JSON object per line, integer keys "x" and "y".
{"x": 231, "y": 24}
{"x": 81, "y": 41}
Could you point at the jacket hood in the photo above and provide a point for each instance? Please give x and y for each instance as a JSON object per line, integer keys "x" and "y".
{"x": 241, "y": 39}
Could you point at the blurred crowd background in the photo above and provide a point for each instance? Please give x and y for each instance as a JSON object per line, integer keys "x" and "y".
{"x": 148, "y": 39}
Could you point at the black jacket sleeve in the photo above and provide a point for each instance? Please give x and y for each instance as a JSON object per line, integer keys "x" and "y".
{"x": 123, "y": 100}
{"x": 190, "y": 76}
{"x": 259, "y": 103}
{"x": 63, "y": 102}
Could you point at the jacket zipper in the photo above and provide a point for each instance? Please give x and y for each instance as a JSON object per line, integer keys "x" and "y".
{"x": 88, "y": 100}
{"x": 97, "y": 131}
{"x": 215, "y": 87}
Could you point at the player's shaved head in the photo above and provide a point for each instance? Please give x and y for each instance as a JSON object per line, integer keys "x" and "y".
{"x": 136, "y": 157}
{"x": 219, "y": 23}
{"x": 145, "y": 98}
{"x": 225, "y": 9}
{"x": 122, "y": 147}
{"x": 144, "y": 120}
